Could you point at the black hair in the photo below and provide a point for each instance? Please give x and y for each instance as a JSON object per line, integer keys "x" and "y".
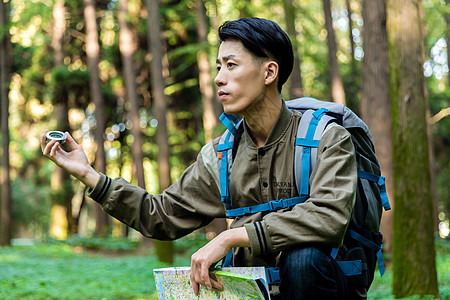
{"x": 263, "y": 38}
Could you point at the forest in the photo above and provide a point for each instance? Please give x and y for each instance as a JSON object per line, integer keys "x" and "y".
{"x": 132, "y": 81}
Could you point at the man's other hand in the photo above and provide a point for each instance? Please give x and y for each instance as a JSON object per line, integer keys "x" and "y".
{"x": 211, "y": 253}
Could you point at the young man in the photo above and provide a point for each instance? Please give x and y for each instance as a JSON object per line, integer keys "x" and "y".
{"x": 254, "y": 61}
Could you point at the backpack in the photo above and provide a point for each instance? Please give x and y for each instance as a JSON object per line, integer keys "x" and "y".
{"x": 362, "y": 246}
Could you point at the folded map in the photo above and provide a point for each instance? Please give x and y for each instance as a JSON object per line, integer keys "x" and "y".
{"x": 238, "y": 282}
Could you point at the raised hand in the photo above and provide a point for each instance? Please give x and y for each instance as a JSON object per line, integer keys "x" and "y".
{"x": 75, "y": 162}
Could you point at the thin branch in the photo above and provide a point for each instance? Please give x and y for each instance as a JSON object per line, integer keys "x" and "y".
{"x": 440, "y": 115}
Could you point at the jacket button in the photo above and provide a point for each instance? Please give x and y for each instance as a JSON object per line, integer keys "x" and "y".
{"x": 265, "y": 184}
{"x": 262, "y": 152}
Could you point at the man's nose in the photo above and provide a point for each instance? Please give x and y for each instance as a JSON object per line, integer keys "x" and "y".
{"x": 219, "y": 80}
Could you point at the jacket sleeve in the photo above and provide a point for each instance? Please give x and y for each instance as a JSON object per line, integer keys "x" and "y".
{"x": 190, "y": 203}
{"x": 324, "y": 217}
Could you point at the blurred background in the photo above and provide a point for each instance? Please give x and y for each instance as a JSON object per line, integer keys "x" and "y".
{"x": 133, "y": 83}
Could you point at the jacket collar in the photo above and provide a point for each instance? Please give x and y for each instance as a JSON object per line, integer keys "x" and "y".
{"x": 276, "y": 133}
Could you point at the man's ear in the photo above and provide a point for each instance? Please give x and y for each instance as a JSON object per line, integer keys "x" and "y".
{"x": 272, "y": 69}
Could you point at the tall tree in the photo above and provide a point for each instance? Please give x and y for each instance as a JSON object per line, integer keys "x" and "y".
{"x": 5, "y": 179}
{"x": 62, "y": 221}
{"x": 337, "y": 87}
{"x": 447, "y": 20}
{"x": 164, "y": 249}
{"x": 375, "y": 100}
{"x": 61, "y": 213}
{"x": 350, "y": 35}
{"x": 296, "y": 83}
{"x": 58, "y": 29}
{"x": 207, "y": 89}
{"x": 215, "y": 17}
{"x": 93, "y": 59}
{"x": 413, "y": 246}
{"x": 205, "y": 80}
{"x": 127, "y": 48}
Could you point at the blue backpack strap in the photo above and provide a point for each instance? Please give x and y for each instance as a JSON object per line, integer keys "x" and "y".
{"x": 225, "y": 161}
{"x": 227, "y": 261}
{"x": 228, "y": 120}
{"x": 334, "y": 252}
{"x": 380, "y": 180}
{"x": 273, "y": 275}
{"x": 374, "y": 247}
{"x": 309, "y": 131}
{"x": 225, "y": 156}
{"x": 225, "y": 144}
{"x": 269, "y": 206}
{"x": 351, "y": 267}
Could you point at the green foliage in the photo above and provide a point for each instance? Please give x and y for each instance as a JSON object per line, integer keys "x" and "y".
{"x": 71, "y": 82}
{"x": 55, "y": 270}
{"x": 441, "y": 142}
{"x": 63, "y": 77}
{"x": 439, "y": 97}
{"x": 21, "y": 58}
{"x": 436, "y": 27}
{"x": 189, "y": 244}
{"x": 30, "y": 206}
{"x": 94, "y": 243}
{"x": 188, "y": 55}
{"x": 382, "y": 286}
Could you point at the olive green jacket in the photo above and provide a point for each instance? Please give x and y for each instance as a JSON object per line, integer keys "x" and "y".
{"x": 258, "y": 175}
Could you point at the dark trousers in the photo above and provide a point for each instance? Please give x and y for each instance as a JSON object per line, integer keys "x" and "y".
{"x": 311, "y": 273}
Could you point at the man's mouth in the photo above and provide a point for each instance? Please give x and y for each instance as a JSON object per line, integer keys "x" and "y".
{"x": 222, "y": 94}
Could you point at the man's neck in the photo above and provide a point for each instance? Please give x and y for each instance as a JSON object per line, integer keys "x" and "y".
{"x": 262, "y": 118}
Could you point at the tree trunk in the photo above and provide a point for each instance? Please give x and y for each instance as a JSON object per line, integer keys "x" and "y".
{"x": 447, "y": 20}
{"x": 337, "y": 88}
{"x": 205, "y": 80}
{"x": 58, "y": 29}
{"x": 127, "y": 48}
{"x": 62, "y": 222}
{"x": 207, "y": 89}
{"x": 5, "y": 179}
{"x": 375, "y": 100}
{"x": 413, "y": 245}
{"x": 350, "y": 36}
{"x": 215, "y": 18}
{"x": 296, "y": 83}
{"x": 164, "y": 249}
{"x": 102, "y": 221}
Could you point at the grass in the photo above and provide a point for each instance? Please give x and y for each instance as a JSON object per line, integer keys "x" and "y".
{"x": 382, "y": 287}
{"x": 55, "y": 270}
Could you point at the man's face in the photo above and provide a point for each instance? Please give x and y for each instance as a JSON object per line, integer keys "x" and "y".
{"x": 240, "y": 78}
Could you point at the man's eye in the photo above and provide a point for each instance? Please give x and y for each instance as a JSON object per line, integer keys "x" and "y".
{"x": 218, "y": 68}
{"x": 230, "y": 65}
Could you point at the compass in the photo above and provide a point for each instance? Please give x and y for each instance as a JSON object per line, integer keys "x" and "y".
{"x": 59, "y": 136}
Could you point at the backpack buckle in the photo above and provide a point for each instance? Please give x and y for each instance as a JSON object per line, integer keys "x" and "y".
{"x": 275, "y": 205}
{"x": 273, "y": 275}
